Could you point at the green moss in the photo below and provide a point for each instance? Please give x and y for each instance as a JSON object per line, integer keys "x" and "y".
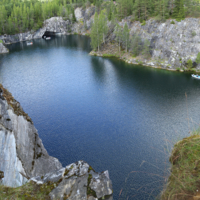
{"x": 90, "y": 191}
{"x": 66, "y": 172}
{"x": 14, "y": 104}
{"x": 29, "y": 191}
{"x": 90, "y": 168}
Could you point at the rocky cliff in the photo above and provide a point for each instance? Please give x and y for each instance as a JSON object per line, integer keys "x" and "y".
{"x": 172, "y": 43}
{"x": 3, "y": 49}
{"x": 23, "y": 158}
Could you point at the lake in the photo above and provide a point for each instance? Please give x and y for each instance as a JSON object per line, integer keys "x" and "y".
{"x": 116, "y": 116}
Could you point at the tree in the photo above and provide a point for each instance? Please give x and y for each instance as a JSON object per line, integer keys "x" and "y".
{"x": 126, "y": 36}
{"x": 189, "y": 64}
{"x": 146, "y": 49}
{"x": 103, "y": 24}
{"x": 119, "y": 34}
{"x": 96, "y": 33}
{"x": 181, "y": 14}
{"x": 136, "y": 45}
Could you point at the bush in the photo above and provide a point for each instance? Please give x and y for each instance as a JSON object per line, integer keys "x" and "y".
{"x": 194, "y": 33}
{"x": 143, "y": 23}
{"x": 1, "y": 41}
{"x": 172, "y": 22}
{"x": 198, "y": 58}
{"x": 189, "y": 64}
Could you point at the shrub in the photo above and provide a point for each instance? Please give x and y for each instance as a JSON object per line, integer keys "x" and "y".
{"x": 194, "y": 33}
{"x": 172, "y": 22}
{"x": 189, "y": 64}
{"x": 198, "y": 58}
{"x": 1, "y": 41}
{"x": 143, "y": 23}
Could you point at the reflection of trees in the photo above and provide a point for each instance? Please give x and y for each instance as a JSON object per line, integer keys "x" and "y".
{"x": 98, "y": 67}
{"x": 69, "y": 41}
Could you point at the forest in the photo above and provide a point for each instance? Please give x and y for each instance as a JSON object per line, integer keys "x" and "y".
{"x": 18, "y": 16}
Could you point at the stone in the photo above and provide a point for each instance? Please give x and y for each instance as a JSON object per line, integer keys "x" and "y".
{"x": 22, "y": 154}
{"x": 23, "y": 159}
{"x": 3, "y": 49}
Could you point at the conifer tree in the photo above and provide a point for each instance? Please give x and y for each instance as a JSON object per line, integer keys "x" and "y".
{"x": 96, "y": 33}
{"x": 119, "y": 34}
{"x": 103, "y": 24}
{"x": 146, "y": 49}
{"x": 136, "y": 45}
{"x": 181, "y": 14}
{"x": 126, "y": 36}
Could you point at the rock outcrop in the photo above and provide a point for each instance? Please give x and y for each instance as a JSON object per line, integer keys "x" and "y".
{"x": 172, "y": 43}
{"x": 77, "y": 181}
{"x": 23, "y": 157}
{"x": 3, "y": 49}
{"x": 22, "y": 154}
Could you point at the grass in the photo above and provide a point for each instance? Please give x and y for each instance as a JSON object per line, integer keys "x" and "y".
{"x": 184, "y": 180}
{"x": 29, "y": 191}
{"x": 1, "y": 41}
{"x": 14, "y": 104}
{"x": 110, "y": 55}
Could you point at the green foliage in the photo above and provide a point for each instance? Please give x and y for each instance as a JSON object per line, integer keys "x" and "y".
{"x": 172, "y": 22}
{"x": 146, "y": 49}
{"x": 119, "y": 34}
{"x": 194, "y": 33}
{"x": 109, "y": 55}
{"x": 99, "y": 30}
{"x": 143, "y": 23}
{"x": 1, "y": 41}
{"x": 125, "y": 37}
{"x": 136, "y": 45}
{"x": 198, "y": 58}
{"x": 189, "y": 64}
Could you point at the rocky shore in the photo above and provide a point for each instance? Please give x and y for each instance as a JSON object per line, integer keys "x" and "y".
{"x": 172, "y": 43}
{"x": 23, "y": 159}
{"x": 3, "y": 49}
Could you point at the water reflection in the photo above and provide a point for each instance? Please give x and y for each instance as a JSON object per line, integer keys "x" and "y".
{"x": 111, "y": 114}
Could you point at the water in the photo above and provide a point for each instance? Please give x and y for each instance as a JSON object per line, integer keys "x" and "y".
{"x": 116, "y": 116}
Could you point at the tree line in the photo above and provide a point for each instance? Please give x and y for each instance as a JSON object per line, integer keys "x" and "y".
{"x": 22, "y": 15}
{"x": 17, "y": 16}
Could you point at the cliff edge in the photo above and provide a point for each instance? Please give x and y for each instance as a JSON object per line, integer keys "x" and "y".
{"x": 25, "y": 162}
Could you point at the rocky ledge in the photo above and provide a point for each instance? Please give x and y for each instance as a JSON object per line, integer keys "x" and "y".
{"x": 23, "y": 159}
{"x": 77, "y": 181}
{"x": 3, "y": 49}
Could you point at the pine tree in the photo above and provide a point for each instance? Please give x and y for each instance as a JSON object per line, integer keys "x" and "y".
{"x": 136, "y": 45}
{"x": 175, "y": 13}
{"x": 103, "y": 24}
{"x": 181, "y": 14}
{"x": 126, "y": 36}
{"x": 119, "y": 34}
{"x": 96, "y": 33}
{"x": 146, "y": 49}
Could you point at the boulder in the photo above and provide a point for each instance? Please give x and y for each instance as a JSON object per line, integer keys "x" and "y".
{"x": 3, "y": 49}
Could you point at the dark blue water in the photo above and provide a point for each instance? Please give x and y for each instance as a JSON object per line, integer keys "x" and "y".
{"x": 116, "y": 116}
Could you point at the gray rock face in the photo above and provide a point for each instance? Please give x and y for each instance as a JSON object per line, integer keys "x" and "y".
{"x": 22, "y": 154}
{"x": 172, "y": 44}
{"x": 23, "y": 157}
{"x": 78, "y": 181}
{"x": 3, "y": 49}
{"x": 57, "y": 25}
